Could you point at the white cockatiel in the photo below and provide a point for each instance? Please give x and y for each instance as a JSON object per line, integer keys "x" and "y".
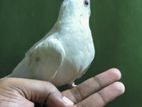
{"x": 65, "y": 53}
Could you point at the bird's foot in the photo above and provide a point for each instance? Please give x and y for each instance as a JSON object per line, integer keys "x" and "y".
{"x": 72, "y": 85}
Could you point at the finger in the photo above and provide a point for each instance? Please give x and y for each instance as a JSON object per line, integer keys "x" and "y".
{"x": 37, "y": 91}
{"x": 104, "y": 96}
{"x": 93, "y": 85}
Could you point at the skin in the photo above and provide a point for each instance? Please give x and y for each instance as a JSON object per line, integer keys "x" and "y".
{"x": 94, "y": 92}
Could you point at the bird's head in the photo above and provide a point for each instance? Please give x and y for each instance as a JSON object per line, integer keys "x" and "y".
{"x": 75, "y": 9}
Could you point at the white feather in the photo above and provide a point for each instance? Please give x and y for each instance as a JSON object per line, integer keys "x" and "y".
{"x": 65, "y": 53}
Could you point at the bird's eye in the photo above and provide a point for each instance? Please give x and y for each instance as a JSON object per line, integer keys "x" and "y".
{"x": 86, "y": 3}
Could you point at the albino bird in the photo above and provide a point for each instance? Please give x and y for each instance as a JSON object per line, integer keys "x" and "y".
{"x": 65, "y": 53}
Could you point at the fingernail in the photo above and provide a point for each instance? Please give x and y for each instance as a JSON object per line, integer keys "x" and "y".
{"x": 67, "y": 101}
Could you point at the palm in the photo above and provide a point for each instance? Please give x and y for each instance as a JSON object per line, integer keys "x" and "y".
{"x": 95, "y": 92}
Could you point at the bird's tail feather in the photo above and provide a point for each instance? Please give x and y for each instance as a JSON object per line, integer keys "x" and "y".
{"x": 22, "y": 70}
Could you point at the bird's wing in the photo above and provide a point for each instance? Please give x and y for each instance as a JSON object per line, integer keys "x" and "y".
{"x": 44, "y": 59}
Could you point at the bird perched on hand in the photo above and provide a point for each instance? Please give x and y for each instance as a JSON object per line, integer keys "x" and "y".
{"x": 65, "y": 53}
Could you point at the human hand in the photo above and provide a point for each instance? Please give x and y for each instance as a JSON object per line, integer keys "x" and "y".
{"x": 94, "y": 92}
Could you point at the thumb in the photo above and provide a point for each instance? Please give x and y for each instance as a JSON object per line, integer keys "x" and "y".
{"x": 38, "y": 91}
